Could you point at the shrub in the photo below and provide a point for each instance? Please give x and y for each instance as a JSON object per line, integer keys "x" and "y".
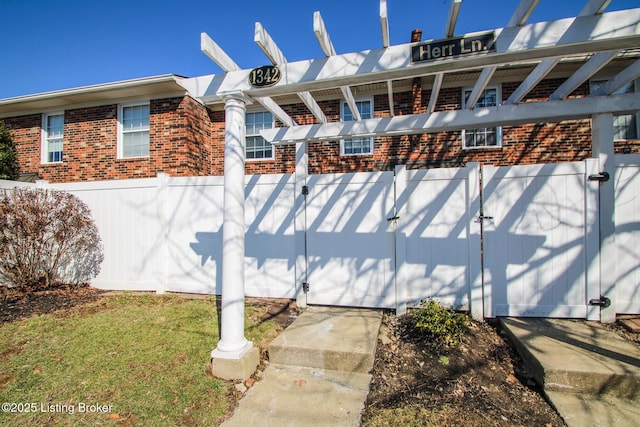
{"x": 8, "y": 157}
{"x": 440, "y": 322}
{"x": 47, "y": 238}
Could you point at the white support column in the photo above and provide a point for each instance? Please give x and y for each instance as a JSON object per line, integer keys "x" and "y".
{"x": 602, "y": 148}
{"x": 233, "y": 345}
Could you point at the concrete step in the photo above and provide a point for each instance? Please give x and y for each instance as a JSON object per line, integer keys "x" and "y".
{"x": 333, "y": 338}
{"x": 577, "y": 357}
{"x": 296, "y": 396}
{"x": 582, "y": 410}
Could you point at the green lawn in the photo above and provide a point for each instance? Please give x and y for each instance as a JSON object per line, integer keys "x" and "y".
{"x": 139, "y": 360}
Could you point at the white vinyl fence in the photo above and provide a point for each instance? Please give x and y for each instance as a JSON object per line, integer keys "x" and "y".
{"x": 520, "y": 240}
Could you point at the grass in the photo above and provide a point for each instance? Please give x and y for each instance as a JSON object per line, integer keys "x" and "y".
{"x": 144, "y": 359}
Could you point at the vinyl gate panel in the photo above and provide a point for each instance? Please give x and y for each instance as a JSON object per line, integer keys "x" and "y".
{"x": 627, "y": 218}
{"x": 433, "y": 232}
{"x": 535, "y": 256}
{"x": 350, "y": 243}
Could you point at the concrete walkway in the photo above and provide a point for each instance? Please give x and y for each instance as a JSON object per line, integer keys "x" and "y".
{"x": 319, "y": 371}
{"x": 589, "y": 373}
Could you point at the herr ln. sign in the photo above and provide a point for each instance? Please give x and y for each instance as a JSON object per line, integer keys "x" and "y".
{"x": 457, "y": 46}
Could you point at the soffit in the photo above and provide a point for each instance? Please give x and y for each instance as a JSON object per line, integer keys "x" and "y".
{"x": 103, "y": 94}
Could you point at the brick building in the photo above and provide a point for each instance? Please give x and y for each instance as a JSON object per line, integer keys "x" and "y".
{"x": 81, "y": 134}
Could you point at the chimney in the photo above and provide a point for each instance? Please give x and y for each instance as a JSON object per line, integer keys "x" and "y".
{"x": 416, "y": 35}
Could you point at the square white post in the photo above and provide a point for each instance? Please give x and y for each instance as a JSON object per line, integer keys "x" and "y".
{"x": 602, "y": 148}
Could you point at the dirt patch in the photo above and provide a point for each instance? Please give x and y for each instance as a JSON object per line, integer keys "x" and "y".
{"x": 481, "y": 381}
{"x": 16, "y": 305}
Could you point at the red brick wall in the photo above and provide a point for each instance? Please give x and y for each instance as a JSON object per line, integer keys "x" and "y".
{"x": 180, "y": 143}
{"x": 188, "y": 139}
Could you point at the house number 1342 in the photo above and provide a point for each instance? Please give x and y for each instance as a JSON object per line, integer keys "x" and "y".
{"x": 267, "y": 75}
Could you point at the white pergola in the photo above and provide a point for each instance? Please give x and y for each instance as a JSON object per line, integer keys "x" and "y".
{"x": 592, "y": 35}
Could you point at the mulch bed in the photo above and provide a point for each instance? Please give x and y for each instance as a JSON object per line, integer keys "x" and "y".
{"x": 481, "y": 381}
{"x": 16, "y": 305}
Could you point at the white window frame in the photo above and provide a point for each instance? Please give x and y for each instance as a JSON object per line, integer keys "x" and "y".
{"x": 498, "y": 129}
{"x": 636, "y": 86}
{"x": 44, "y": 149}
{"x": 257, "y": 135}
{"x": 121, "y": 131}
{"x": 343, "y": 103}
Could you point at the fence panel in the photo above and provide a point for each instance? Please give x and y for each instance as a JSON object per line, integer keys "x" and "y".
{"x": 126, "y": 214}
{"x": 627, "y": 242}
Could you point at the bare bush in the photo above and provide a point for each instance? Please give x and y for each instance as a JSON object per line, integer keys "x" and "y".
{"x": 47, "y": 238}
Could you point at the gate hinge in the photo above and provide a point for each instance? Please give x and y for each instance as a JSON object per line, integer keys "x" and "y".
{"x": 305, "y": 287}
{"x": 601, "y": 177}
{"x": 393, "y": 218}
{"x": 603, "y": 302}
{"x": 305, "y": 190}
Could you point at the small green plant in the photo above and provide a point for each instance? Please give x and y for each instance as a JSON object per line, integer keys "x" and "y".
{"x": 440, "y": 322}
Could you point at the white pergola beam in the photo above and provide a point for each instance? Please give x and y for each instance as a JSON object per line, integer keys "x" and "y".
{"x": 571, "y": 36}
{"x": 522, "y": 13}
{"x": 620, "y": 80}
{"x": 541, "y": 70}
{"x": 275, "y": 55}
{"x": 595, "y": 63}
{"x": 216, "y": 54}
{"x": 384, "y": 23}
{"x": 313, "y": 106}
{"x": 322, "y": 35}
{"x": 452, "y": 19}
{"x": 277, "y": 111}
{"x": 262, "y": 38}
{"x": 480, "y": 85}
{"x": 390, "y": 95}
{"x": 445, "y": 121}
{"x": 435, "y": 92}
{"x": 594, "y": 7}
{"x": 351, "y": 102}
{"x": 327, "y": 47}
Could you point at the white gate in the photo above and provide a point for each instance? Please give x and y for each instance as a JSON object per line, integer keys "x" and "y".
{"x": 540, "y": 240}
{"x": 350, "y": 252}
{"x": 627, "y": 218}
{"x": 433, "y": 237}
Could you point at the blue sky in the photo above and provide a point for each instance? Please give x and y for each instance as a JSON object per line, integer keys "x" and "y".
{"x": 59, "y": 44}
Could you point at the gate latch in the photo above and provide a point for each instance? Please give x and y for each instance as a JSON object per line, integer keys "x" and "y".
{"x": 393, "y": 218}
{"x": 600, "y": 177}
{"x": 603, "y": 302}
{"x": 305, "y": 287}
{"x": 481, "y": 217}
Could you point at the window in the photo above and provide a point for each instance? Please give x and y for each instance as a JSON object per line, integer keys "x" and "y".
{"x": 134, "y": 130}
{"x": 625, "y": 126}
{"x": 257, "y": 147}
{"x": 356, "y": 146}
{"x": 482, "y": 137}
{"x": 52, "y": 137}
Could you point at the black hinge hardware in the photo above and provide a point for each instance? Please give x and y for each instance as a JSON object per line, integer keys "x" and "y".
{"x": 603, "y": 302}
{"x": 305, "y": 190}
{"x": 393, "y": 218}
{"x": 305, "y": 287}
{"x": 601, "y": 177}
